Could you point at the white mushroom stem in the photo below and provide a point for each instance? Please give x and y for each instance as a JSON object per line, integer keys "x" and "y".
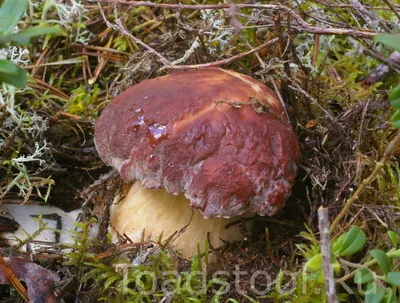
{"x": 158, "y": 213}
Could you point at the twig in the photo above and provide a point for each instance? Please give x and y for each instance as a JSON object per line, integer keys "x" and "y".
{"x": 392, "y": 8}
{"x": 102, "y": 61}
{"x": 119, "y": 27}
{"x": 353, "y": 273}
{"x": 283, "y": 222}
{"x": 316, "y": 49}
{"x": 385, "y": 160}
{"x": 44, "y": 85}
{"x": 123, "y": 248}
{"x": 302, "y": 25}
{"x": 107, "y": 56}
{"x": 383, "y": 70}
{"x": 99, "y": 48}
{"x": 260, "y": 60}
{"x": 325, "y": 244}
{"x": 361, "y": 131}
{"x": 228, "y": 60}
{"x": 90, "y": 191}
{"x": 392, "y": 64}
{"x": 295, "y": 86}
{"x": 269, "y": 247}
{"x": 187, "y": 6}
{"x": 216, "y": 6}
{"x": 352, "y": 6}
{"x": 279, "y": 96}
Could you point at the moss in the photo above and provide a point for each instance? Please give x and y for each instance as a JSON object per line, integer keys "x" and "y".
{"x": 343, "y": 126}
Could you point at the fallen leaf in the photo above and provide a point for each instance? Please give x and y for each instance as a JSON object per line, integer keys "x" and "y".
{"x": 40, "y": 281}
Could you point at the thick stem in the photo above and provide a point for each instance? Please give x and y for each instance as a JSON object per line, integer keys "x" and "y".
{"x": 325, "y": 243}
{"x": 153, "y": 214}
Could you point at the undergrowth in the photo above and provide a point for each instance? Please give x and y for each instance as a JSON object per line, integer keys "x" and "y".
{"x": 342, "y": 118}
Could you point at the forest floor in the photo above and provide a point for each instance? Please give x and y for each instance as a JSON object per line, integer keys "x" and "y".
{"x": 320, "y": 56}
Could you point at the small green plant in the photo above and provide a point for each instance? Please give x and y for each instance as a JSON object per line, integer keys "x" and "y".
{"x": 80, "y": 248}
{"x": 83, "y": 101}
{"x": 394, "y": 97}
{"x": 22, "y": 180}
{"x": 376, "y": 277}
{"x": 154, "y": 279}
{"x": 11, "y": 11}
{"x": 14, "y": 31}
{"x": 31, "y": 235}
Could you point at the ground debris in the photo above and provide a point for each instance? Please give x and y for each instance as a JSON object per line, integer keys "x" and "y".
{"x": 41, "y": 282}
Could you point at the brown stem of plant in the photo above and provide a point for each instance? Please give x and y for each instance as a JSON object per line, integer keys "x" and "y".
{"x": 325, "y": 244}
{"x": 385, "y": 160}
{"x": 301, "y": 25}
{"x": 228, "y": 60}
{"x": 383, "y": 70}
{"x": 392, "y": 8}
{"x": 167, "y": 64}
{"x": 119, "y": 27}
{"x": 353, "y": 273}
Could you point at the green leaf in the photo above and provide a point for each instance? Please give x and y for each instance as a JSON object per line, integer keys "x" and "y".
{"x": 382, "y": 259}
{"x": 11, "y": 12}
{"x": 337, "y": 243}
{"x": 12, "y": 74}
{"x": 315, "y": 263}
{"x": 389, "y": 40}
{"x": 374, "y": 293}
{"x": 109, "y": 281}
{"x": 390, "y": 296}
{"x": 363, "y": 275}
{"x": 316, "y": 277}
{"x": 336, "y": 265}
{"x": 396, "y": 118}
{"x": 393, "y": 278}
{"x": 394, "y": 238}
{"x": 313, "y": 269}
{"x": 23, "y": 37}
{"x": 354, "y": 241}
{"x": 394, "y": 97}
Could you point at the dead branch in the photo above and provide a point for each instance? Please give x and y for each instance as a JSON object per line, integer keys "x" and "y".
{"x": 228, "y": 60}
{"x": 325, "y": 244}
{"x": 119, "y": 27}
{"x": 390, "y": 149}
{"x": 301, "y": 26}
{"x": 383, "y": 70}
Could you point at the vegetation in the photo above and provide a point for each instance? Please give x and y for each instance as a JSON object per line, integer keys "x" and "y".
{"x": 336, "y": 67}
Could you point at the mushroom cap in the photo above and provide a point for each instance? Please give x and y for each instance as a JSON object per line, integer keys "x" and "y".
{"x": 220, "y": 137}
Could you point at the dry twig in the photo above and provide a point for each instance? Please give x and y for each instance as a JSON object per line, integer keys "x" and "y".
{"x": 325, "y": 244}
{"x": 228, "y": 60}
{"x": 119, "y": 27}
{"x": 379, "y": 165}
{"x": 301, "y": 25}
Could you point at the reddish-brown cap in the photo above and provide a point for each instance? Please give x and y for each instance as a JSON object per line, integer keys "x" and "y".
{"x": 218, "y": 136}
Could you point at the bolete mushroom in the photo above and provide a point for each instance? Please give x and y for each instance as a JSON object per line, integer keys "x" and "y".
{"x": 211, "y": 140}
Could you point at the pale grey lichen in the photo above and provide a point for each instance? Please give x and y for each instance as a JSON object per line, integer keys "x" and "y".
{"x": 22, "y": 180}
{"x": 218, "y": 34}
{"x": 70, "y": 13}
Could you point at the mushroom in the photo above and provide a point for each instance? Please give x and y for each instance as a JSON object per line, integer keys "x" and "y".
{"x": 201, "y": 147}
